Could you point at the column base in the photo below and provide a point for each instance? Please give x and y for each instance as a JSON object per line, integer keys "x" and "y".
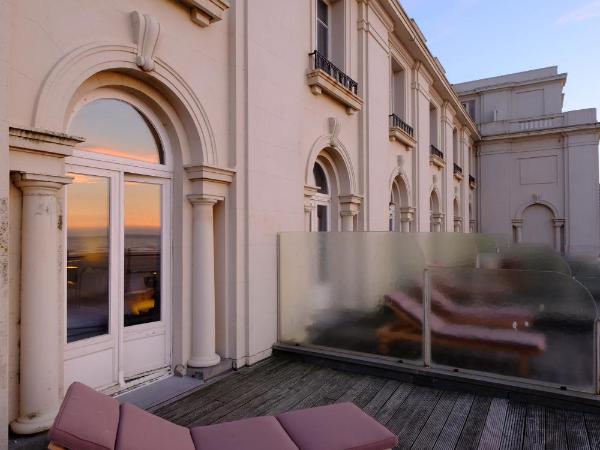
{"x": 204, "y": 361}
{"x": 37, "y": 424}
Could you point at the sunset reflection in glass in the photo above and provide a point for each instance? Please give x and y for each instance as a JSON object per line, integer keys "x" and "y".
{"x": 142, "y": 252}
{"x": 115, "y": 128}
{"x": 87, "y": 257}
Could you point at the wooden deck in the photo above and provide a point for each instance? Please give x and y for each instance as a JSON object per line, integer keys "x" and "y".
{"x": 423, "y": 417}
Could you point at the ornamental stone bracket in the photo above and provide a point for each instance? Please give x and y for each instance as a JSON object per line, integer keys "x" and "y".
{"x": 320, "y": 82}
{"x": 205, "y": 12}
{"x": 146, "y": 30}
{"x": 209, "y": 181}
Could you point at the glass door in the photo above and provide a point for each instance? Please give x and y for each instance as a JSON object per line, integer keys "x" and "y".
{"x": 118, "y": 283}
{"x": 146, "y": 341}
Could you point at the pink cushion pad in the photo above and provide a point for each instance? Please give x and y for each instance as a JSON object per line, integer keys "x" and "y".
{"x": 87, "y": 420}
{"x": 336, "y": 427}
{"x": 257, "y": 433}
{"x": 140, "y": 430}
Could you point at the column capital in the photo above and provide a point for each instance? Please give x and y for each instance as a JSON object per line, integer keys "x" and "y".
{"x": 517, "y": 223}
{"x": 407, "y": 214}
{"x": 28, "y": 181}
{"x": 558, "y": 223}
{"x": 349, "y": 204}
{"x": 203, "y": 199}
{"x": 210, "y": 181}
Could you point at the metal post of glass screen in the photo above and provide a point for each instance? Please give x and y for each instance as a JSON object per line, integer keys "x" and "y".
{"x": 426, "y": 313}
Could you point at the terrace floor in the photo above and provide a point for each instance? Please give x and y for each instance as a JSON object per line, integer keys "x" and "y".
{"x": 423, "y": 417}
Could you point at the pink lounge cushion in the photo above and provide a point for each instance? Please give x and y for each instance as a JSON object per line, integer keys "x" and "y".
{"x": 140, "y": 430}
{"x": 87, "y": 420}
{"x": 342, "y": 426}
{"x": 257, "y": 433}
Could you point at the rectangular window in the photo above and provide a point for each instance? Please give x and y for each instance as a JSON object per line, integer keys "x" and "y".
{"x": 142, "y": 242}
{"x": 398, "y": 91}
{"x": 470, "y": 107}
{"x": 433, "y": 125}
{"x": 323, "y": 28}
{"x": 88, "y": 243}
{"x": 322, "y": 219}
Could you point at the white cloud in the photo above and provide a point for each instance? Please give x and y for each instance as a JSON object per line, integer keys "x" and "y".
{"x": 588, "y": 11}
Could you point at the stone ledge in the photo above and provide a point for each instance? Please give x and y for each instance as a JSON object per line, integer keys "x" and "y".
{"x": 437, "y": 161}
{"x": 399, "y": 135}
{"x": 205, "y": 12}
{"x": 320, "y": 82}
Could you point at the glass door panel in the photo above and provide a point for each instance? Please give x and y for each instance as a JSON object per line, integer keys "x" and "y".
{"x": 88, "y": 244}
{"x": 142, "y": 253}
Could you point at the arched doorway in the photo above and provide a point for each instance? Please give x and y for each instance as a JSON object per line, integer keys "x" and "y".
{"x": 400, "y": 213}
{"x": 322, "y": 198}
{"x": 458, "y": 220}
{"x": 538, "y": 225}
{"x": 118, "y": 218}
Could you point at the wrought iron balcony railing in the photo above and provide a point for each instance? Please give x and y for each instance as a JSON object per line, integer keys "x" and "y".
{"x": 437, "y": 152}
{"x": 322, "y": 63}
{"x": 396, "y": 121}
{"x": 458, "y": 170}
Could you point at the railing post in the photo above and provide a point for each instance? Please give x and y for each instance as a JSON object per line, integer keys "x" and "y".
{"x": 426, "y": 314}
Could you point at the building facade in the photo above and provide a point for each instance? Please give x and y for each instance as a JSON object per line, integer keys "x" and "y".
{"x": 151, "y": 150}
{"x": 539, "y": 165}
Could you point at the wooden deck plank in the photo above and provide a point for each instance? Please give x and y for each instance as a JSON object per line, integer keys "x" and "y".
{"x": 556, "y": 435}
{"x": 474, "y": 425}
{"x": 514, "y": 427}
{"x": 577, "y": 436}
{"x": 592, "y": 423}
{"x": 435, "y": 423}
{"x": 395, "y": 401}
{"x": 491, "y": 436}
{"x": 535, "y": 437}
{"x": 381, "y": 397}
{"x": 453, "y": 427}
{"x": 409, "y": 420}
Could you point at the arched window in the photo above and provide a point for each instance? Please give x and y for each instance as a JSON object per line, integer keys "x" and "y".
{"x": 115, "y": 128}
{"x": 400, "y": 199}
{"x": 118, "y": 237}
{"x": 322, "y": 198}
{"x": 392, "y": 216}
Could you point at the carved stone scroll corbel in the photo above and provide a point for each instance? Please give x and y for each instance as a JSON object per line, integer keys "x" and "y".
{"x": 146, "y": 30}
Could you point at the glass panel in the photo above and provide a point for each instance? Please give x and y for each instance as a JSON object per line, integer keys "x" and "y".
{"x": 142, "y": 252}
{"x": 526, "y": 257}
{"x": 320, "y": 179}
{"x": 116, "y": 128}
{"x": 335, "y": 292}
{"x": 322, "y": 40}
{"x": 322, "y": 12}
{"x": 529, "y": 324}
{"x": 87, "y": 257}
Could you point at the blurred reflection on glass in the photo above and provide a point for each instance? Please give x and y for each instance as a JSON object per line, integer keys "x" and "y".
{"x": 142, "y": 252}
{"x": 87, "y": 257}
{"x": 116, "y": 128}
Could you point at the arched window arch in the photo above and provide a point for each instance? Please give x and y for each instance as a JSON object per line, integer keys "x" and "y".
{"x": 115, "y": 128}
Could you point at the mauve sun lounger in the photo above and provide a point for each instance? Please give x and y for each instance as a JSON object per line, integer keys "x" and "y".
{"x": 89, "y": 420}
{"x": 408, "y": 328}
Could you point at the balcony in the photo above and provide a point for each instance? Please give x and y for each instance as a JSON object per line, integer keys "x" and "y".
{"x": 472, "y": 182}
{"x": 401, "y": 131}
{"x": 458, "y": 172}
{"x": 436, "y": 157}
{"x": 326, "y": 77}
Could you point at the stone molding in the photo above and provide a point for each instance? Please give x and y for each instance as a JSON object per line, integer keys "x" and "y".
{"x": 350, "y": 204}
{"x": 209, "y": 182}
{"x": 42, "y": 142}
{"x": 320, "y": 82}
{"x": 205, "y": 12}
{"x": 27, "y": 181}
